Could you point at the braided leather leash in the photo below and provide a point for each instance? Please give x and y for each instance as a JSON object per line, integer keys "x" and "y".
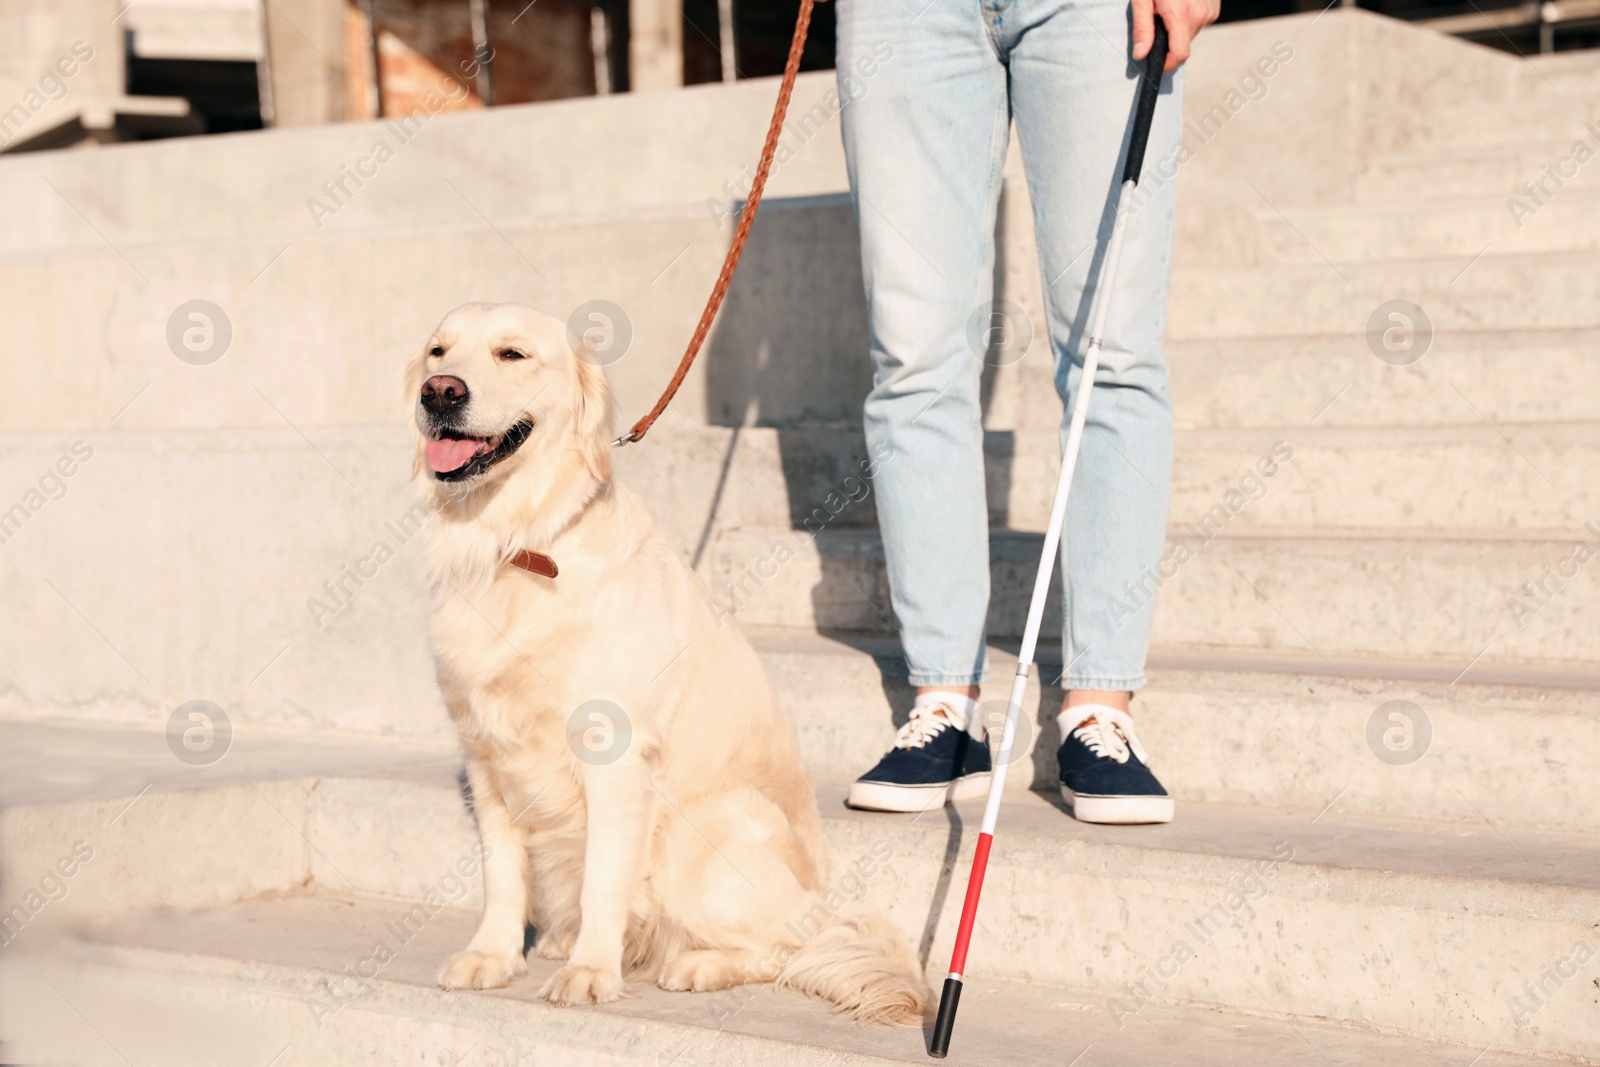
{"x": 746, "y": 218}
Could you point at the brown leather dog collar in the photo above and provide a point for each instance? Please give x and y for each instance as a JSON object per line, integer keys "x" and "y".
{"x": 536, "y": 563}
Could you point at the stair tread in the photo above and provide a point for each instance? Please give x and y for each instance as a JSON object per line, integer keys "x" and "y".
{"x": 1010, "y": 544}
{"x": 1469, "y": 336}
{"x": 1347, "y": 592}
{"x": 1452, "y": 851}
{"x": 292, "y": 946}
{"x": 1003, "y": 652}
{"x": 54, "y": 762}
{"x": 1447, "y": 204}
{"x": 1448, "y": 266}
{"x": 1537, "y": 145}
{"x": 1029, "y": 820}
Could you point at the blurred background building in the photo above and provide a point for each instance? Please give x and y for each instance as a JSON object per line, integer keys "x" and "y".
{"x": 84, "y": 72}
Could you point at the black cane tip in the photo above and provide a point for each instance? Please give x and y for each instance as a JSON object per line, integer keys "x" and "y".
{"x": 945, "y": 1022}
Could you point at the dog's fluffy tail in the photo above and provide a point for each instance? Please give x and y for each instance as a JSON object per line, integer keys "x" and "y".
{"x": 865, "y": 967}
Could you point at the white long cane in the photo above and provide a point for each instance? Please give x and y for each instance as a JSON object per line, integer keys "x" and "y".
{"x": 1149, "y": 88}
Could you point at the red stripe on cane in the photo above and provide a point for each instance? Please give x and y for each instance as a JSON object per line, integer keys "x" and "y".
{"x": 969, "y": 910}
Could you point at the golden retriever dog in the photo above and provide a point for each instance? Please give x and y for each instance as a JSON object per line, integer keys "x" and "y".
{"x": 638, "y": 787}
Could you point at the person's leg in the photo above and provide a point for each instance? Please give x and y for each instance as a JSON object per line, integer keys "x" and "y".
{"x": 1073, "y": 90}
{"x": 925, "y": 122}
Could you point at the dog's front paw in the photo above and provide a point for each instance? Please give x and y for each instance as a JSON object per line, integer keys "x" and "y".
{"x": 576, "y": 984}
{"x": 481, "y": 970}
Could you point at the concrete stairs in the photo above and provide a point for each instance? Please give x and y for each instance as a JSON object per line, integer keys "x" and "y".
{"x": 1102, "y": 925}
{"x": 1425, "y": 903}
{"x": 302, "y": 951}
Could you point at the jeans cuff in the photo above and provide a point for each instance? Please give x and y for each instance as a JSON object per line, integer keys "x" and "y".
{"x": 1103, "y": 683}
{"x": 923, "y": 679}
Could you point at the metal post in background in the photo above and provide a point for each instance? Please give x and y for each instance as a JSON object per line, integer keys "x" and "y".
{"x": 482, "y": 54}
{"x": 264, "y": 70}
{"x": 730, "y": 60}
{"x": 369, "y": 8}
{"x": 600, "y": 46}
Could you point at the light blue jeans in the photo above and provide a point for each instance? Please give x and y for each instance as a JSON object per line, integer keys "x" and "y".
{"x": 931, "y": 88}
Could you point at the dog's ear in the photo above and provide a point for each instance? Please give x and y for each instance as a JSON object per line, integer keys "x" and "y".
{"x": 592, "y": 418}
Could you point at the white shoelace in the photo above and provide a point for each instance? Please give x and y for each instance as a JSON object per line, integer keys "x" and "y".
{"x": 1109, "y": 732}
{"x": 924, "y": 725}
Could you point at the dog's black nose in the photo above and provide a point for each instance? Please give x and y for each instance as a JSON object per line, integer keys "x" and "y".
{"x": 443, "y": 393}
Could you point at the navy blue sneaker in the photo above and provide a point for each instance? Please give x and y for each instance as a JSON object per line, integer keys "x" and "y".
{"x": 1104, "y": 778}
{"x": 934, "y": 759}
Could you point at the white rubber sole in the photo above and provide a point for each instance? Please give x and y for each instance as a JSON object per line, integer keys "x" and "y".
{"x": 1118, "y": 811}
{"x": 885, "y": 796}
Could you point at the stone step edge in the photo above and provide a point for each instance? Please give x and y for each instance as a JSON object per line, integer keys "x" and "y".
{"x": 618, "y": 1033}
{"x": 1495, "y": 148}
{"x": 1558, "y": 259}
{"x": 622, "y": 1031}
{"x": 1003, "y": 657}
{"x": 1009, "y": 546}
{"x": 679, "y": 210}
{"x": 543, "y": 223}
{"x": 1031, "y": 827}
{"x": 996, "y": 440}
{"x": 1495, "y": 338}
{"x": 1488, "y": 204}
{"x": 1014, "y": 539}
{"x": 886, "y": 650}
{"x": 693, "y": 210}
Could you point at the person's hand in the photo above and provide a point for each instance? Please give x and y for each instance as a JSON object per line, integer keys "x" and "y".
{"x": 1184, "y": 19}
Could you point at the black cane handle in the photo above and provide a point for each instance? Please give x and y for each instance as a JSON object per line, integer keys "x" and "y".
{"x": 1149, "y": 89}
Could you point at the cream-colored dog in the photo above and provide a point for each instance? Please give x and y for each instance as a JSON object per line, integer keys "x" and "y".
{"x": 637, "y": 785}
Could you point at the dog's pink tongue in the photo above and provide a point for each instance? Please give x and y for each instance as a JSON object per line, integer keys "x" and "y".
{"x": 449, "y": 454}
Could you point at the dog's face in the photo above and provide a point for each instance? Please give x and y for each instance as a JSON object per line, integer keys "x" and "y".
{"x": 497, "y": 387}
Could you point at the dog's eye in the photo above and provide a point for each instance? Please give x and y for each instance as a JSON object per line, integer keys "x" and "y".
{"x": 436, "y": 351}
{"x": 511, "y": 353}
